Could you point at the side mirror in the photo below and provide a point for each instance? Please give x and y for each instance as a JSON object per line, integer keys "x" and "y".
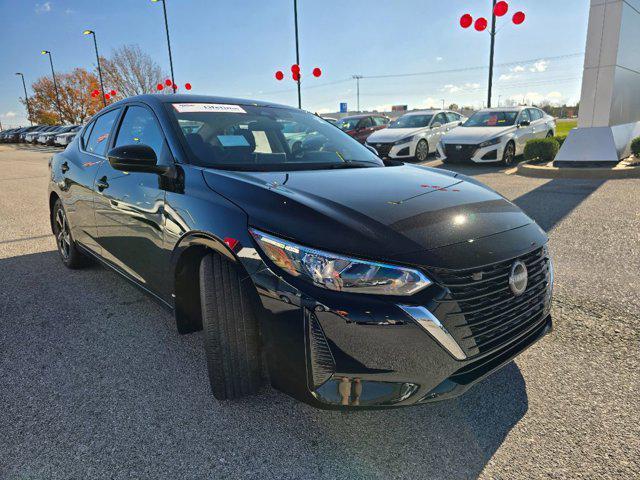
{"x": 135, "y": 158}
{"x": 460, "y": 124}
{"x": 524, "y": 123}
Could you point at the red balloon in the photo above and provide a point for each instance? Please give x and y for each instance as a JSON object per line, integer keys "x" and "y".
{"x": 466, "y": 20}
{"x": 175, "y": 87}
{"x": 518, "y": 18}
{"x": 296, "y": 76}
{"x": 481, "y": 24}
{"x": 295, "y": 68}
{"x": 96, "y": 92}
{"x": 501, "y": 9}
{"x": 279, "y": 75}
{"x": 187, "y": 86}
{"x": 113, "y": 93}
{"x": 317, "y": 72}
{"x": 168, "y": 82}
{"x": 107, "y": 96}
{"x": 159, "y": 86}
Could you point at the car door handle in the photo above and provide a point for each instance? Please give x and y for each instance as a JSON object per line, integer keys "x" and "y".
{"x": 102, "y": 184}
{"x": 64, "y": 167}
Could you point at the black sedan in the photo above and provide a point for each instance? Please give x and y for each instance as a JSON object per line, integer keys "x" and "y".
{"x": 347, "y": 281}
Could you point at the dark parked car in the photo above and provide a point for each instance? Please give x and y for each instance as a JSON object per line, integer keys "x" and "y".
{"x": 361, "y": 126}
{"x": 360, "y": 283}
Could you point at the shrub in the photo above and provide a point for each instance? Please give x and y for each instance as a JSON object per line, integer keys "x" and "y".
{"x": 560, "y": 139}
{"x": 541, "y": 149}
{"x": 635, "y": 147}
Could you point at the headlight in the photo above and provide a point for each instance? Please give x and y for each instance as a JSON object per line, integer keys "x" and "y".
{"x": 493, "y": 141}
{"x": 339, "y": 273}
{"x": 402, "y": 141}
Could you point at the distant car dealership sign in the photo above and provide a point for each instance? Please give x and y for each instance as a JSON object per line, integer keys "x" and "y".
{"x": 399, "y": 108}
{"x": 343, "y": 107}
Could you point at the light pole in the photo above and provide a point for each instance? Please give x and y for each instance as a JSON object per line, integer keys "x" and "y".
{"x": 357, "y": 78}
{"x": 493, "y": 46}
{"x": 499, "y": 97}
{"x": 95, "y": 44}
{"x": 55, "y": 83}
{"x": 26, "y": 98}
{"x": 443, "y": 103}
{"x": 295, "y": 19}
{"x": 166, "y": 27}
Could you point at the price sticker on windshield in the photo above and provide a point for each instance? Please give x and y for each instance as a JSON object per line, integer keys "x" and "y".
{"x": 208, "y": 107}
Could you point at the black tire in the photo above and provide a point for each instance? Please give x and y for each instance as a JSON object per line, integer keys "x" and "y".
{"x": 509, "y": 154}
{"x": 69, "y": 253}
{"x": 231, "y": 333}
{"x": 422, "y": 150}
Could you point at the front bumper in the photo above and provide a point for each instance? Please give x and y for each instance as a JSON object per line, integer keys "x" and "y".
{"x": 335, "y": 350}
{"x": 389, "y": 150}
{"x": 473, "y": 153}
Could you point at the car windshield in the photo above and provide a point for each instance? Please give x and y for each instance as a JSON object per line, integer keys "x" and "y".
{"x": 252, "y": 138}
{"x": 411, "y": 121}
{"x": 348, "y": 123}
{"x": 492, "y": 119}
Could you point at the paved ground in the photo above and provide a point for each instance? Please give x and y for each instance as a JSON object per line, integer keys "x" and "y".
{"x": 96, "y": 383}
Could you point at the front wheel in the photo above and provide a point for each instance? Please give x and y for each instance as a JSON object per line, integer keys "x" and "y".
{"x": 422, "y": 151}
{"x": 509, "y": 154}
{"x": 231, "y": 333}
{"x": 69, "y": 253}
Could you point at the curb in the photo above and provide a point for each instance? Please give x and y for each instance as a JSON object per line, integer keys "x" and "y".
{"x": 621, "y": 170}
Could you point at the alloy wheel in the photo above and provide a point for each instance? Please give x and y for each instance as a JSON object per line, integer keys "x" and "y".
{"x": 422, "y": 151}
{"x": 509, "y": 154}
{"x": 63, "y": 237}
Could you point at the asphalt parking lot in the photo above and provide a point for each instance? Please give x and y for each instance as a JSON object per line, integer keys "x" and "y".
{"x": 95, "y": 382}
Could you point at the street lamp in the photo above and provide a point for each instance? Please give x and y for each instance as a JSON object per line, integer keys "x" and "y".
{"x": 55, "y": 83}
{"x": 166, "y": 27}
{"x": 95, "y": 44}
{"x": 26, "y": 98}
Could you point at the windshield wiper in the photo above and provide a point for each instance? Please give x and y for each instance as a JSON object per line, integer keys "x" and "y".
{"x": 336, "y": 166}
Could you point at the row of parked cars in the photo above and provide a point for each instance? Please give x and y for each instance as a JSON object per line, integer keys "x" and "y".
{"x": 489, "y": 135}
{"x": 60, "y": 135}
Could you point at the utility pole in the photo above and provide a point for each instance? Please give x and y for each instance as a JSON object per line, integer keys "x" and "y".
{"x": 295, "y": 19}
{"x": 357, "y": 78}
{"x": 493, "y": 45}
{"x": 443, "y": 103}
{"x": 26, "y": 97}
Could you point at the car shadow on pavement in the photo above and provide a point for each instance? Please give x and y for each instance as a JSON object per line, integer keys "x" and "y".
{"x": 551, "y": 202}
{"x": 96, "y": 380}
{"x": 37, "y": 148}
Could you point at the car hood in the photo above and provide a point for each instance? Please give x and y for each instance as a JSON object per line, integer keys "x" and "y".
{"x": 392, "y": 134}
{"x": 474, "y": 135}
{"x": 370, "y": 212}
{"x": 68, "y": 134}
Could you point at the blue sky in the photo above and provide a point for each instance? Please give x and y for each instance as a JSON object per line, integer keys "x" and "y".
{"x": 234, "y": 47}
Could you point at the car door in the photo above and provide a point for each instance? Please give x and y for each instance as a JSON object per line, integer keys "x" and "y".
{"x": 79, "y": 171}
{"x": 524, "y": 132}
{"x": 129, "y": 206}
{"x": 540, "y": 130}
{"x": 364, "y": 129}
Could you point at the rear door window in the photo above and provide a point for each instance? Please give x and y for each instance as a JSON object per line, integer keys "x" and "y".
{"x": 99, "y": 137}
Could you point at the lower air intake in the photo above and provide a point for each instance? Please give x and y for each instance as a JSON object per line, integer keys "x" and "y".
{"x": 322, "y": 363}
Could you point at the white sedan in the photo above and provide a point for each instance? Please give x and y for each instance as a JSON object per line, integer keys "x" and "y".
{"x": 496, "y": 135}
{"x": 414, "y": 135}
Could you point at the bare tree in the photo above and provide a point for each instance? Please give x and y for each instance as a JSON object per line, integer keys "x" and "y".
{"x": 131, "y": 71}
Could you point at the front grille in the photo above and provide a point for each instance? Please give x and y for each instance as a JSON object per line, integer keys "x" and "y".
{"x": 481, "y": 311}
{"x": 383, "y": 149}
{"x": 456, "y": 152}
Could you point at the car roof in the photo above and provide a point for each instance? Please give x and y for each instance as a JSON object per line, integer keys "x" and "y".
{"x": 424, "y": 112}
{"x": 159, "y": 99}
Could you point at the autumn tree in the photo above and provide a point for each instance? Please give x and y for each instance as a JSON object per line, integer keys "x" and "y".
{"x": 76, "y": 103}
{"x": 130, "y": 71}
